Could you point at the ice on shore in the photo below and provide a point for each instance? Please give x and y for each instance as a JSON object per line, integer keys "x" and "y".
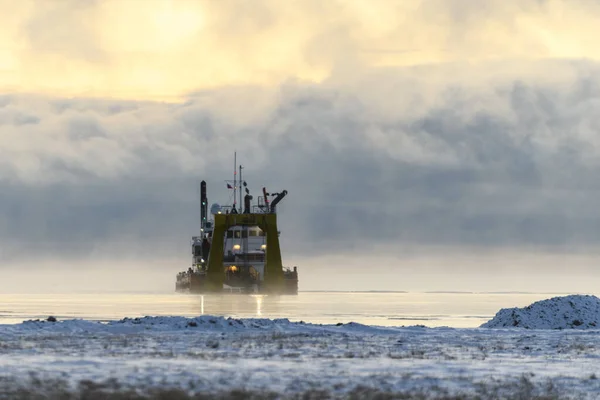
{"x": 566, "y": 312}
{"x": 174, "y": 324}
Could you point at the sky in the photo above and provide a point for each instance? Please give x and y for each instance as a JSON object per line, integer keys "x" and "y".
{"x": 397, "y": 127}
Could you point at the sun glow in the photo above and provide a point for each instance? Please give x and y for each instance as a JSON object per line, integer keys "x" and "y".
{"x": 165, "y": 50}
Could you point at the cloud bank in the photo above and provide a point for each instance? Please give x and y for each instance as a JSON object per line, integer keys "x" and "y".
{"x": 391, "y": 158}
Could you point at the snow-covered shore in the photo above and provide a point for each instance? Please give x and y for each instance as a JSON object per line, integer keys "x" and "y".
{"x": 565, "y": 312}
{"x": 261, "y": 357}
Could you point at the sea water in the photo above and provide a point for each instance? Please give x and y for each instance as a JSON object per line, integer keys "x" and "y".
{"x": 459, "y": 310}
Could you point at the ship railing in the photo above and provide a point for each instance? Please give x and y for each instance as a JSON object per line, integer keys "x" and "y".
{"x": 261, "y": 209}
{"x": 291, "y": 273}
{"x": 256, "y": 209}
{"x": 250, "y": 257}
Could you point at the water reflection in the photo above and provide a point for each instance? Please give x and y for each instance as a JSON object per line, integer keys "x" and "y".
{"x": 239, "y": 305}
{"x": 259, "y": 299}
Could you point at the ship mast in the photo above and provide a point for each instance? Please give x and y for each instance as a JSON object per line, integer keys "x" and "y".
{"x": 203, "y": 207}
{"x": 241, "y": 184}
{"x": 234, "y": 177}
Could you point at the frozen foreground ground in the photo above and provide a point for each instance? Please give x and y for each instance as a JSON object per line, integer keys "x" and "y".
{"x": 215, "y": 357}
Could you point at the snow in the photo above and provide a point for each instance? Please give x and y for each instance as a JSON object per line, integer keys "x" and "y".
{"x": 566, "y": 312}
{"x": 214, "y": 356}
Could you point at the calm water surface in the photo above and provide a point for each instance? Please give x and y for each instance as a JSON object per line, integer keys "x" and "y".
{"x": 372, "y": 308}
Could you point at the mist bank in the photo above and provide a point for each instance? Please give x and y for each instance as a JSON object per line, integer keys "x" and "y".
{"x": 499, "y": 154}
{"x": 379, "y": 269}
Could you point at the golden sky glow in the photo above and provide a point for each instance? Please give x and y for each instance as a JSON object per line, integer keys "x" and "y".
{"x": 151, "y": 49}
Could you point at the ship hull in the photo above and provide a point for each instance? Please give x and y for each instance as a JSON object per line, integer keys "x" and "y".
{"x": 194, "y": 283}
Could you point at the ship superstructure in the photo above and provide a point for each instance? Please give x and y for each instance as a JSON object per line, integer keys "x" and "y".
{"x": 238, "y": 247}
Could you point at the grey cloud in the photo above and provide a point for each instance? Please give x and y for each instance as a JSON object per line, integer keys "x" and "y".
{"x": 25, "y": 119}
{"x": 84, "y": 128}
{"x": 510, "y": 162}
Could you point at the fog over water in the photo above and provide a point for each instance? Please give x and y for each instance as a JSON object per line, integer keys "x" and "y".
{"x": 448, "y": 270}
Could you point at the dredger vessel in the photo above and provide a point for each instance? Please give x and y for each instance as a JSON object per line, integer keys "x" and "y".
{"x": 238, "y": 248}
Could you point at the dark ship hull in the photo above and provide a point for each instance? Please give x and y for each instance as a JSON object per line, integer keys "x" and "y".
{"x": 196, "y": 283}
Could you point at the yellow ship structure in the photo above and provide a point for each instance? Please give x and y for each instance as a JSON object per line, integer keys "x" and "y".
{"x": 238, "y": 248}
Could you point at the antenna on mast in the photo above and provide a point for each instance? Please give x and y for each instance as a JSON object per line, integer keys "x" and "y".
{"x": 241, "y": 183}
{"x": 234, "y": 177}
